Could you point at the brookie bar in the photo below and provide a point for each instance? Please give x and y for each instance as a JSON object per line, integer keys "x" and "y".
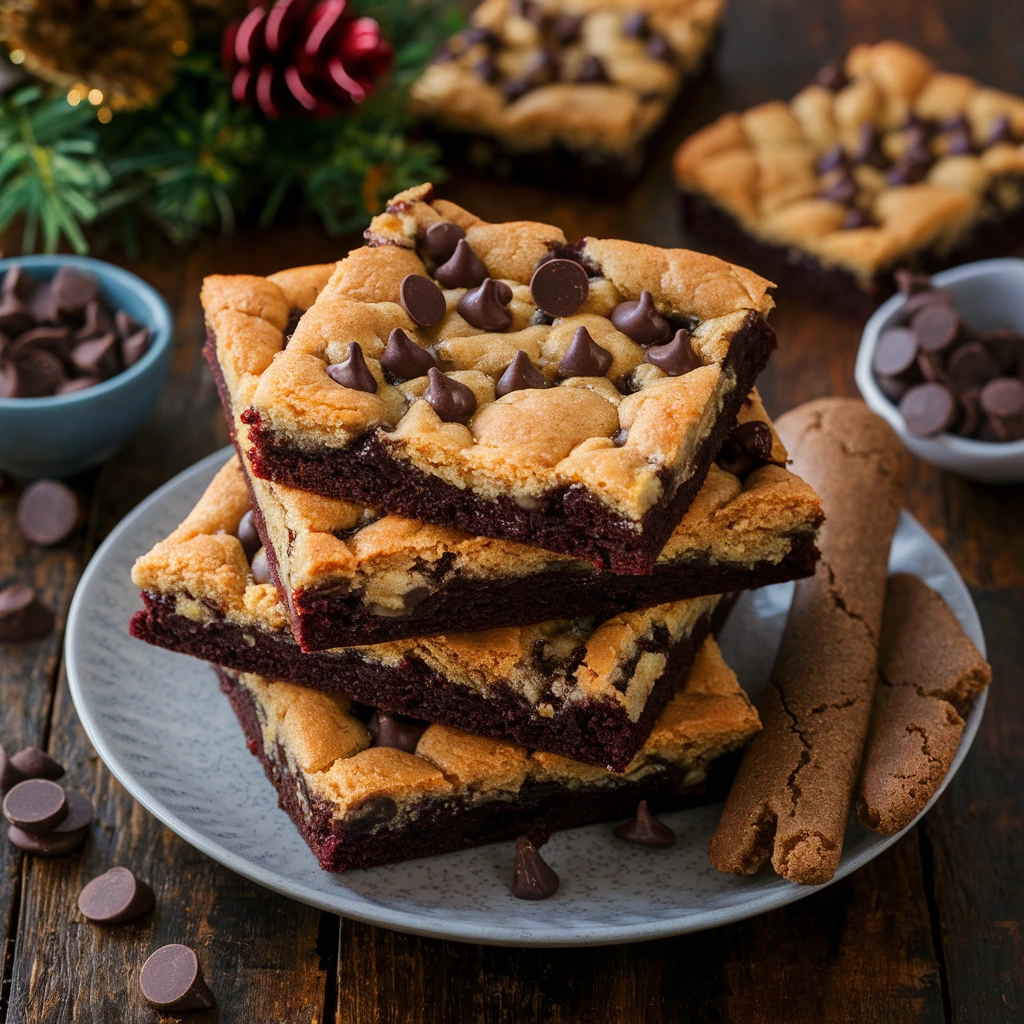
{"x": 433, "y": 789}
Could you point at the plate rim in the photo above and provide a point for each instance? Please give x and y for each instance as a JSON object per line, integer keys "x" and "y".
{"x": 408, "y": 921}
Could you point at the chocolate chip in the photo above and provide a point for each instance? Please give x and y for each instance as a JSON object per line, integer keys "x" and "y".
{"x": 15, "y": 316}
{"x": 34, "y": 763}
{"x": 486, "y": 69}
{"x": 971, "y": 366}
{"x": 22, "y": 615}
{"x": 659, "y": 48}
{"x": 422, "y": 300}
{"x": 928, "y": 409}
{"x": 440, "y": 240}
{"x": 1002, "y": 400}
{"x": 79, "y": 816}
{"x": 532, "y": 877}
{"x": 398, "y": 731}
{"x": 559, "y": 287}
{"x": 646, "y": 830}
{"x": 73, "y": 290}
{"x": 747, "y": 447}
{"x": 47, "y": 844}
{"x": 970, "y": 404}
{"x": 959, "y": 143}
{"x": 18, "y": 282}
{"x": 831, "y": 159}
{"x": 894, "y": 388}
{"x": 957, "y": 122}
{"x": 171, "y": 979}
{"x": 932, "y": 369}
{"x": 1006, "y": 347}
{"x": 97, "y": 321}
{"x": 1000, "y": 131}
{"x": 478, "y": 34}
{"x": 463, "y": 269}
{"x": 936, "y": 327}
{"x": 896, "y": 352}
{"x": 260, "y": 567}
{"x": 514, "y": 88}
{"x": 352, "y": 372}
{"x": 35, "y": 805}
{"x": 115, "y": 897}
{"x": 520, "y": 375}
{"x": 855, "y": 218}
{"x": 47, "y": 512}
{"x": 450, "y": 399}
{"x": 124, "y": 325}
{"x": 620, "y": 437}
{"x": 591, "y": 70}
{"x": 636, "y": 25}
{"x": 842, "y": 191}
{"x": 98, "y": 357}
{"x": 42, "y": 305}
{"x": 868, "y": 149}
{"x": 676, "y": 357}
{"x": 567, "y": 27}
{"x": 375, "y": 810}
{"x": 134, "y": 347}
{"x": 919, "y": 300}
{"x": 911, "y": 282}
{"x": 69, "y": 387}
{"x": 831, "y": 76}
{"x": 909, "y": 169}
{"x": 10, "y": 384}
{"x": 248, "y": 535}
{"x": 9, "y": 775}
{"x": 55, "y": 339}
{"x": 40, "y": 373}
{"x": 639, "y": 320}
{"x": 404, "y": 358}
{"x": 484, "y": 307}
{"x": 584, "y": 357}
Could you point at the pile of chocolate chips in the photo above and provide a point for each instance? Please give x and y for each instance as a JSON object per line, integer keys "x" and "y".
{"x": 947, "y": 376}
{"x": 60, "y": 336}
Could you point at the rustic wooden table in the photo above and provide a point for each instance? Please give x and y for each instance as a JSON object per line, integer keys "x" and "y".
{"x": 931, "y": 931}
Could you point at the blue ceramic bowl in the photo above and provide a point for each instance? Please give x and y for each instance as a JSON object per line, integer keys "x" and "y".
{"x": 64, "y": 434}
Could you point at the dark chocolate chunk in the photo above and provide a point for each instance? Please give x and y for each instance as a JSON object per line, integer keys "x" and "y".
{"x": 1002, "y": 400}
{"x": 69, "y": 387}
{"x": 584, "y": 357}
{"x": 248, "y": 535}
{"x": 79, "y": 816}
{"x": 375, "y": 810}
{"x": 47, "y": 844}
{"x": 936, "y": 327}
{"x": 73, "y": 290}
{"x": 676, "y": 357}
{"x": 911, "y": 282}
{"x": 971, "y": 366}
{"x": 398, "y": 731}
{"x": 134, "y": 347}
{"x": 34, "y": 763}
{"x": 659, "y": 48}
{"x": 485, "y": 307}
{"x": 532, "y": 877}
{"x": 9, "y": 775}
{"x": 928, "y": 409}
{"x": 10, "y": 384}
{"x": 422, "y": 300}
{"x": 260, "y": 567}
{"x": 22, "y": 615}
{"x": 591, "y": 70}
{"x": 463, "y": 269}
{"x": 639, "y": 320}
{"x": 404, "y": 358}
{"x": 440, "y": 239}
{"x": 831, "y": 76}
{"x": 171, "y": 979}
{"x": 35, "y": 805}
{"x": 115, "y": 897}
{"x": 15, "y": 316}
{"x": 559, "y": 287}
{"x": 844, "y": 190}
{"x": 646, "y": 830}
{"x": 567, "y": 27}
{"x": 520, "y": 375}
{"x": 449, "y": 398}
{"x": 47, "y": 512}
{"x": 98, "y": 357}
{"x": 40, "y": 373}
{"x": 748, "y": 447}
{"x": 1000, "y": 131}
{"x": 635, "y": 25}
{"x": 831, "y": 159}
{"x": 896, "y": 352}
{"x": 352, "y": 372}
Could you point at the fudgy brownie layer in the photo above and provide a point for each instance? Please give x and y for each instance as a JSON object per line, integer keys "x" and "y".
{"x": 444, "y": 825}
{"x": 804, "y": 276}
{"x": 570, "y": 520}
{"x": 594, "y": 732}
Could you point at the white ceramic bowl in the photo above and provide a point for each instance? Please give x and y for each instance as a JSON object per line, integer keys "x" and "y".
{"x": 987, "y": 295}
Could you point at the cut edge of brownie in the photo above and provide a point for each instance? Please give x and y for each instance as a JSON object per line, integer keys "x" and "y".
{"x": 595, "y": 732}
{"x": 444, "y": 824}
{"x": 572, "y": 520}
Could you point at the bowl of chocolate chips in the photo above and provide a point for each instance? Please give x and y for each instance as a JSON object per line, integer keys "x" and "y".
{"x": 84, "y": 352}
{"x": 943, "y": 362}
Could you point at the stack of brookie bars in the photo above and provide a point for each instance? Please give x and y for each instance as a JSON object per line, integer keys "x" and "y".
{"x": 459, "y": 579}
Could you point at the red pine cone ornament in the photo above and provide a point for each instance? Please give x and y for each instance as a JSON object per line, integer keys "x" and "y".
{"x": 296, "y": 57}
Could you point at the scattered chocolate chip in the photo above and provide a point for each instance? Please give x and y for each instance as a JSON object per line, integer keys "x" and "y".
{"x": 449, "y": 398}
{"x": 676, "y": 357}
{"x": 748, "y": 447}
{"x": 463, "y": 269}
{"x": 831, "y": 159}
{"x": 73, "y": 290}
{"x": 98, "y": 357}
{"x": 520, "y": 375}
{"x": 532, "y": 877}
{"x": 635, "y": 25}
{"x": 1002, "y": 400}
{"x": 352, "y": 372}
{"x": 35, "y": 805}
{"x": 911, "y": 282}
{"x": 831, "y": 76}
{"x": 34, "y": 763}
{"x": 40, "y": 373}
{"x": 398, "y": 731}
{"x": 134, "y": 347}
{"x": 584, "y": 357}
{"x": 646, "y": 830}
{"x": 9, "y": 775}
{"x": 404, "y": 358}
{"x": 422, "y": 300}
{"x": 936, "y": 327}
{"x": 115, "y": 897}
{"x": 485, "y": 307}
{"x": 171, "y": 979}
{"x": 971, "y": 366}
{"x": 248, "y": 535}
{"x": 896, "y": 352}
{"x": 79, "y": 816}
{"x": 47, "y": 512}
{"x": 640, "y": 321}
{"x": 659, "y": 48}
{"x": 440, "y": 240}
{"x": 22, "y": 615}
{"x": 591, "y": 70}
{"x": 928, "y": 409}
{"x": 559, "y": 287}
{"x": 47, "y": 844}
{"x": 260, "y": 567}
{"x": 1000, "y": 131}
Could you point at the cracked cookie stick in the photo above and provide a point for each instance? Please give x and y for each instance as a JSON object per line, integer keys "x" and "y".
{"x": 791, "y": 797}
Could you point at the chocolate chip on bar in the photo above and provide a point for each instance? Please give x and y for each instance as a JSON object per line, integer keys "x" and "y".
{"x": 584, "y": 357}
{"x": 463, "y": 269}
{"x": 675, "y": 357}
{"x": 486, "y": 306}
{"x": 397, "y": 731}
{"x": 520, "y": 375}
{"x": 450, "y": 399}
{"x": 559, "y": 287}
{"x": 639, "y": 320}
{"x": 352, "y": 372}
{"x": 404, "y": 358}
{"x": 422, "y": 299}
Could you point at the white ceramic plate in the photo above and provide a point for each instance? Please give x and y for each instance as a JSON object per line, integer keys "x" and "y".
{"x": 163, "y": 728}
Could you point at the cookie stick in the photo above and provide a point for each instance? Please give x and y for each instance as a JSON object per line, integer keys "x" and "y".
{"x": 929, "y": 672}
{"x": 791, "y": 797}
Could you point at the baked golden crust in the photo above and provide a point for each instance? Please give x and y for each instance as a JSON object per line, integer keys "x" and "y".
{"x": 610, "y": 116}
{"x": 763, "y": 166}
{"x": 330, "y": 748}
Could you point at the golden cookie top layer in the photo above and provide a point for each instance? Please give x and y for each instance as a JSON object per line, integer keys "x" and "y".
{"x": 593, "y": 75}
{"x": 879, "y": 157}
{"x": 332, "y": 749}
{"x": 474, "y": 383}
